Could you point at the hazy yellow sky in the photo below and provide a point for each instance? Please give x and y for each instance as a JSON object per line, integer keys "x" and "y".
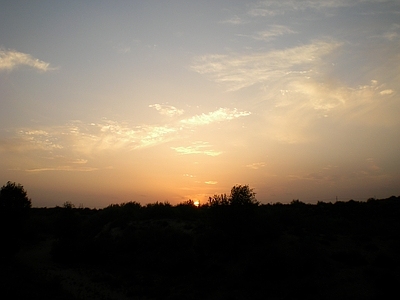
{"x": 114, "y": 101}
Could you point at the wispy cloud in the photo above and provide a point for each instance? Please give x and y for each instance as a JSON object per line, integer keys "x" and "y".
{"x": 393, "y": 34}
{"x": 122, "y": 48}
{"x": 235, "y": 20}
{"x": 198, "y": 148}
{"x": 222, "y": 114}
{"x": 189, "y": 175}
{"x": 82, "y": 138}
{"x": 386, "y": 92}
{"x": 328, "y": 174}
{"x": 69, "y": 147}
{"x": 63, "y": 168}
{"x": 11, "y": 59}
{"x": 273, "y": 32}
{"x": 212, "y": 182}
{"x": 112, "y": 135}
{"x": 108, "y": 135}
{"x": 80, "y": 161}
{"x": 256, "y": 166}
{"x": 297, "y": 88}
{"x": 300, "y": 110}
{"x": 240, "y": 71}
{"x": 280, "y": 7}
{"x": 167, "y": 110}
{"x": 363, "y": 169}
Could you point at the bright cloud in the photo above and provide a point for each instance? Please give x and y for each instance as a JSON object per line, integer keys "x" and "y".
{"x": 109, "y": 135}
{"x": 198, "y": 148}
{"x": 73, "y": 145}
{"x": 112, "y": 135}
{"x": 298, "y": 89}
{"x": 386, "y": 92}
{"x": 10, "y": 59}
{"x": 222, "y": 114}
{"x": 167, "y": 110}
{"x": 300, "y": 109}
{"x": 211, "y": 182}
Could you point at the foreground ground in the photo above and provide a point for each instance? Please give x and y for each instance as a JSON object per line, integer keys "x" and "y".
{"x": 346, "y": 250}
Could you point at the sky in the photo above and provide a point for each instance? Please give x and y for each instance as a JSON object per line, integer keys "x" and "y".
{"x": 104, "y": 102}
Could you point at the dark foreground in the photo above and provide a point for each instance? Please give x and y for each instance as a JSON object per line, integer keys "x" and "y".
{"x": 346, "y": 250}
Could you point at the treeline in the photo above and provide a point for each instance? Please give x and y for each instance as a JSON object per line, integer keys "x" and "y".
{"x": 283, "y": 251}
{"x": 232, "y": 247}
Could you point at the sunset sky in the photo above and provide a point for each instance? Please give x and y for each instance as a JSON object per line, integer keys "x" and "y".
{"x": 106, "y": 102}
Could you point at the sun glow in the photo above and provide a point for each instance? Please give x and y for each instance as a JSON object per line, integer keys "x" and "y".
{"x": 196, "y": 203}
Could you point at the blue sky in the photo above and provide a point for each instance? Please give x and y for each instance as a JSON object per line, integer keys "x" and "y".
{"x": 112, "y": 101}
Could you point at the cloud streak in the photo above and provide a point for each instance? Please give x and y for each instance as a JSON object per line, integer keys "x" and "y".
{"x": 273, "y": 32}
{"x": 297, "y": 90}
{"x": 11, "y": 59}
{"x": 277, "y": 7}
{"x": 235, "y": 20}
{"x": 63, "y": 168}
{"x": 197, "y": 148}
{"x": 222, "y": 114}
{"x": 241, "y": 71}
{"x": 256, "y": 166}
{"x": 73, "y": 145}
{"x": 167, "y": 110}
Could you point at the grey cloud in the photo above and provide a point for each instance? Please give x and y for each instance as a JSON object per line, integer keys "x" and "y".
{"x": 235, "y": 20}
{"x": 272, "y": 32}
{"x": 279, "y": 7}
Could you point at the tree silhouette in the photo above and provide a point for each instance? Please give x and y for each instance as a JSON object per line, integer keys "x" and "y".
{"x": 14, "y": 207}
{"x": 242, "y": 195}
{"x": 13, "y": 197}
{"x": 218, "y": 200}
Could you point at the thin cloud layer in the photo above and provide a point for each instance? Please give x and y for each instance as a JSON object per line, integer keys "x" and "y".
{"x": 80, "y": 141}
{"x": 241, "y": 71}
{"x": 273, "y": 32}
{"x": 393, "y": 34}
{"x": 256, "y": 166}
{"x": 277, "y": 7}
{"x": 212, "y": 182}
{"x": 222, "y": 114}
{"x": 297, "y": 88}
{"x": 11, "y": 59}
{"x": 64, "y": 168}
{"x": 235, "y": 20}
{"x": 198, "y": 148}
{"x": 167, "y": 110}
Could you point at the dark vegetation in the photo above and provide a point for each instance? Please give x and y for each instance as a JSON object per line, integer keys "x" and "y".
{"x": 231, "y": 248}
